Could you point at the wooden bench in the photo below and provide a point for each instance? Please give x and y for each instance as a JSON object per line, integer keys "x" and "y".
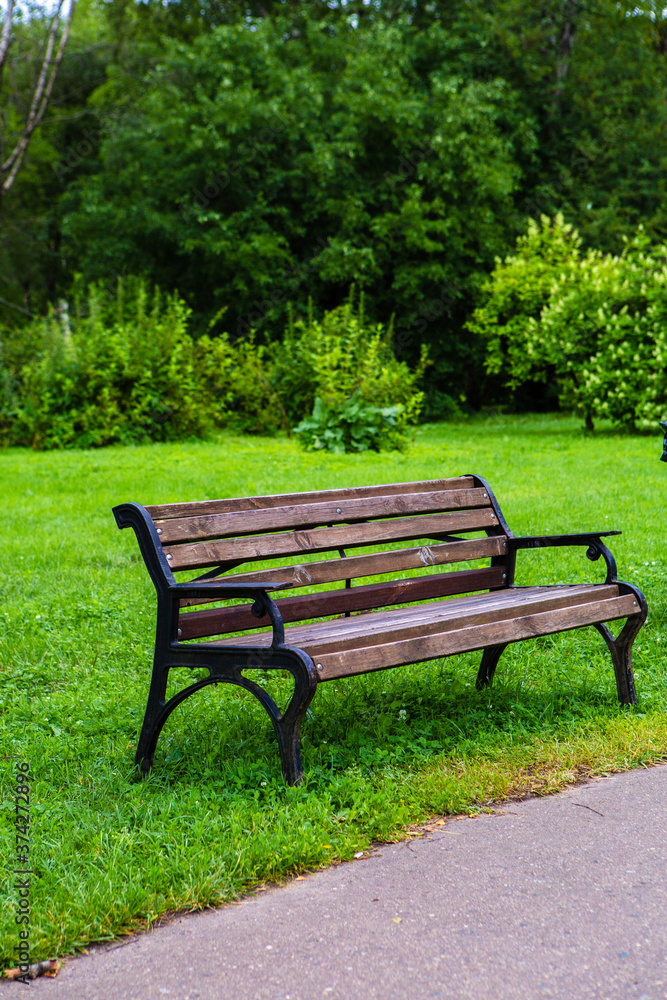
{"x": 403, "y": 619}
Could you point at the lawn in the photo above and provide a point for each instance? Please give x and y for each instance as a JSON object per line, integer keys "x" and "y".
{"x": 381, "y": 752}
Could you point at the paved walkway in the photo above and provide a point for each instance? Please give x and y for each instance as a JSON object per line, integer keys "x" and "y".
{"x": 562, "y": 897}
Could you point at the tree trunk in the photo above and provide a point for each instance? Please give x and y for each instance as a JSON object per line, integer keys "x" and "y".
{"x": 564, "y": 45}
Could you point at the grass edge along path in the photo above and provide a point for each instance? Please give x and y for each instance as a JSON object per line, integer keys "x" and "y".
{"x": 477, "y": 786}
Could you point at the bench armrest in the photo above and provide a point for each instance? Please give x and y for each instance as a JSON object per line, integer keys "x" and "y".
{"x": 221, "y": 590}
{"x": 592, "y": 539}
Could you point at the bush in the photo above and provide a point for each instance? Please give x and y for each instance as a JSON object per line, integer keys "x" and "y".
{"x": 595, "y": 322}
{"x": 122, "y": 368}
{"x": 350, "y": 367}
{"x": 255, "y": 402}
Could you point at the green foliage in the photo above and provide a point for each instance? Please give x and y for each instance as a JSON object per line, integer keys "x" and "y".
{"x": 290, "y": 166}
{"x": 256, "y": 399}
{"x": 346, "y": 370}
{"x": 615, "y": 309}
{"x": 596, "y": 322}
{"x": 351, "y": 426}
{"x": 118, "y": 368}
{"x": 344, "y": 355}
{"x": 252, "y": 155}
{"x": 123, "y": 368}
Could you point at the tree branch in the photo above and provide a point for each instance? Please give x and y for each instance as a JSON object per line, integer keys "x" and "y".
{"x": 6, "y": 34}
{"x": 39, "y": 90}
{"x": 13, "y": 306}
{"x": 41, "y": 96}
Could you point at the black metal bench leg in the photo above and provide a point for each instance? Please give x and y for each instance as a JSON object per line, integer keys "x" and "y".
{"x": 287, "y": 725}
{"x": 154, "y": 709}
{"x": 621, "y": 646}
{"x": 487, "y": 667}
{"x": 621, "y": 657}
{"x": 288, "y": 732}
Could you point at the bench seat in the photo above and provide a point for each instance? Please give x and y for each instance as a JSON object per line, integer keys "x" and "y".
{"x": 378, "y": 639}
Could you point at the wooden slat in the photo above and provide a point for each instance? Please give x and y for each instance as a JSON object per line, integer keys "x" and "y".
{"x": 473, "y": 609}
{"x": 218, "y": 621}
{"x": 196, "y": 555}
{"x": 311, "y": 515}
{"x": 429, "y": 647}
{"x": 372, "y": 564}
{"x": 227, "y": 505}
{"x": 359, "y": 637}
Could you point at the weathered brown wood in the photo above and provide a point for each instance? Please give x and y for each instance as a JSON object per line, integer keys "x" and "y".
{"x": 309, "y": 574}
{"x": 355, "y": 639}
{"x": 227, "y": 505}
{"x": 218, "y": 621}
{"x": 378, "y": 627}
{"x": 248, "y": 522}
{"x": 197, "y": 555}
{"x": 429, "y": 647}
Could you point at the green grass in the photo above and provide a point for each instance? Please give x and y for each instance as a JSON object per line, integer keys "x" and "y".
{"x": 215, "y": 818}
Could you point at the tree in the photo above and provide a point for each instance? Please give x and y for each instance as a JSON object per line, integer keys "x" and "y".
{"x": 253, "y": 168}
{"x": 13, "y": 131}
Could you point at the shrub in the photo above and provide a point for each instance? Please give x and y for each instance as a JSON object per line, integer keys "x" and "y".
{"x": 596, "y": 322}
{"x": 350, "y": 366}
{"x": 121, "y": 368}
{"x": 255, "y": 402}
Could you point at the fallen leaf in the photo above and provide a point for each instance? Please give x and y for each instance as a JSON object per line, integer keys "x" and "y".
{"x": 300, "y": 878}
{"x": 327, "y": 847}
{"x": 397, "y": 920}
{"x": 440, "y": 822}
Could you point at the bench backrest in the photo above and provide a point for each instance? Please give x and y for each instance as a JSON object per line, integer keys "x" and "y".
{"x": 427, "y": 519}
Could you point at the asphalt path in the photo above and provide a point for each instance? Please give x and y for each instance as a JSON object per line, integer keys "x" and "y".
{"x": 558, "y": 897}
